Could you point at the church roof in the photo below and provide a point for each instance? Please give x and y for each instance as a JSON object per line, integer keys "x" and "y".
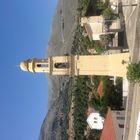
{"x": 108, "y": 132}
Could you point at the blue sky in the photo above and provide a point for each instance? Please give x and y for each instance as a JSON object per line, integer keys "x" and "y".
{"x": 24, "y": 31}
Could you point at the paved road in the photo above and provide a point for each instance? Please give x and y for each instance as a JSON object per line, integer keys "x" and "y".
{"x": 132, "y": 24}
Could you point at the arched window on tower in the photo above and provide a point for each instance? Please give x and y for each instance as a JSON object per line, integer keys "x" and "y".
{"x": 61, "y": 65}
{"x": 42, "y": 65}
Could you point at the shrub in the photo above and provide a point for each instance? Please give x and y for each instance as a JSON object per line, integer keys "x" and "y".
{"x": 84, "y": 5}
{"x": 106, "y": 37}
{"x": 98, "y": 47}
{"x": 80, "y": 94}
{"x": 95, "y": 103}
{"x": 133, "y": 73}
{"x": 109, "y": 15}
{"x": 101, "y": 5}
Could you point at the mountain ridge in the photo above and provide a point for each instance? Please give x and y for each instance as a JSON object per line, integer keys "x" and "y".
{"x": 60, "y": 43}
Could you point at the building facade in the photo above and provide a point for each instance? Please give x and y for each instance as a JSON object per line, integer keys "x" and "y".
{"x": 95, "y": 26}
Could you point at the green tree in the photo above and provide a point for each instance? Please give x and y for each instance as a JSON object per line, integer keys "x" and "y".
{"x": 109, "y": 15}
{"x": 133, "y": 72}
{"x": 101, "y": 5}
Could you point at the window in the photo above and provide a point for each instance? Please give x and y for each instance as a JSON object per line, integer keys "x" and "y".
{"x": 118, "y": 113}
{"x": 121, "y": 125}
{"x": 120, "y": 118}
{"x": 61, "y": 65}
{"x": 42, "y": 65}
{"x": 95, "y": 118}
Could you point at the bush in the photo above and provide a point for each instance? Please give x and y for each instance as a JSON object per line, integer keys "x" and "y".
{"x": 111, "y": 97}
{"x": 99, "y": 49}
{"x": 95, "y": 103}
{"x": 106, "y": 37}
{"x": 84, "y": 6}
{"x": 109, "y": 15}
{"x": 133, "y": 73}
{"x": 80, "y": 94}
{"x": 101, "y": 5}
{"x": 93, "y": 135}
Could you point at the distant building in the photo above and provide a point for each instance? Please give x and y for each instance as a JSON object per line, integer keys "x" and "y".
{"x": 95, "y": 26}
{"x": 113, "y": 125}
{"x": 95, "y": 121}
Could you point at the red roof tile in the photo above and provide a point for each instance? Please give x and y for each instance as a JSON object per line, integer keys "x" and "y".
{"x": 100, "y": 89}
{"x": 108, "y": 132}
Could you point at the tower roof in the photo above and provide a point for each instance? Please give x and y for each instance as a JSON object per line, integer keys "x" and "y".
{"x": 24, "y": 66}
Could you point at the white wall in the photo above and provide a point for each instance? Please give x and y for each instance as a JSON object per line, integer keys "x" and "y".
{"x": 95, "y": 121}
{"x": 125, "y": 91}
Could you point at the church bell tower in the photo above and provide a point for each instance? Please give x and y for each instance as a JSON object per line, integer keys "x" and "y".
{"x": 109, "y": 65}
{"x": 57, "y": 65}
